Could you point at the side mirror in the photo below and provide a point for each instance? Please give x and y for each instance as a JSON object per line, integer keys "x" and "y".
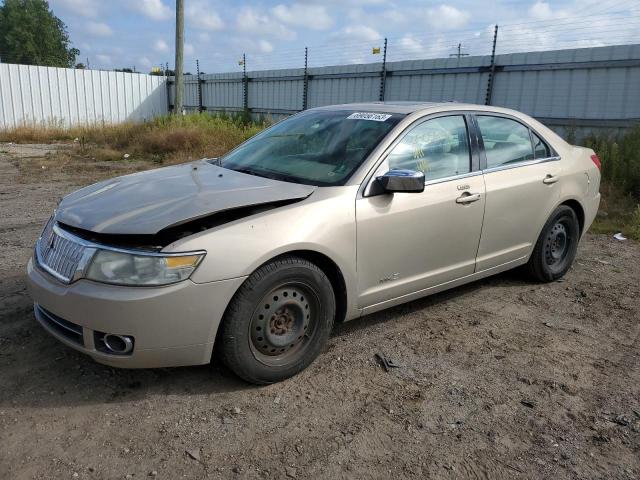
{"x": 408, "y": 181}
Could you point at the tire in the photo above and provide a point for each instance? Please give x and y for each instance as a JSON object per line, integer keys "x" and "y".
{"x": 556, "y": 247}
{"x": 278, "y": 322}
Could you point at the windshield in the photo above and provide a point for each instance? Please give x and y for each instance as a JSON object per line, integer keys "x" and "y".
{"x": 320, "y": 147}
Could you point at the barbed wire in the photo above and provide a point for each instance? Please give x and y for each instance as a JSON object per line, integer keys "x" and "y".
{"x": 620, "y": 26}
{"x": 577, "y": 31}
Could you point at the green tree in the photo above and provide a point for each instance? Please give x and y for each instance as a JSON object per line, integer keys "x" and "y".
{"x": 31, "y": 34}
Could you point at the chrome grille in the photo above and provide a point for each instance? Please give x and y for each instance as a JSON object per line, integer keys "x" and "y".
{"x": 57, "y": 254}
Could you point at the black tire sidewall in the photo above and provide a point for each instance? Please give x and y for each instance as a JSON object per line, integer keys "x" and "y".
{"x": 235, "y": 339}
{"x": 539, "y": 267}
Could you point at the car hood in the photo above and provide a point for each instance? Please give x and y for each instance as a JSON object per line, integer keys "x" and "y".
{"x": 148, "y": 202}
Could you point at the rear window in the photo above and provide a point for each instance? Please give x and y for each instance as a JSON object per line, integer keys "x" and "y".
{"x": 505, "y": 141}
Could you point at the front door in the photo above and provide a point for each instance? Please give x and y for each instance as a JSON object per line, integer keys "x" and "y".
{"x": 407, "y": 242}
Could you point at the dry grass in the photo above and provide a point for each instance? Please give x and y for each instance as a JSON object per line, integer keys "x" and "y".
{"x": 94, "y": 153}
{"x": 620, "y": 188}
{"x": 619, "y": 212}
{"x": 165, "y": 140}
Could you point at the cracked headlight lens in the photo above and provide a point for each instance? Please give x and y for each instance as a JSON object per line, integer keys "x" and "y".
{"x": 121, "y": 268}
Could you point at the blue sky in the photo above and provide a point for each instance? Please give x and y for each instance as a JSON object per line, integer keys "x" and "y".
{"x": 273, "y": 34}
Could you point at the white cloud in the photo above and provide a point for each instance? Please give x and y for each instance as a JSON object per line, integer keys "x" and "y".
{"x": 541, "y": 11}
{"x": 265, "y": 46}
{"x": 252, "y": 21}
{"x": 153, "y": 9}
{"x": 446, "y": 17}
{"x": 145, "y": 62}
{"x": 201, "y": 15}
{"x": 358, "y": 32}
{"x": 104, "y": 59}
{"x": 348, "y": 3}
{"x": 84, "y": 8}
{"x": 411, "y": 45}
{"x": 314, "y": 17}
{"x": 99, "y": 29}
{"x": 188, "y": 49}
{"x": 383, "y": 19}
{"x": 258, "y": 51}
{"x": 161, "y": 46}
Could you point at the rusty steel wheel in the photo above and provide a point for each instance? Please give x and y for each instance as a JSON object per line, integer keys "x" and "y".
{"x": 279, "y": 320}
{"x": 556, "y": 245}
{"x": 283, "y": 323}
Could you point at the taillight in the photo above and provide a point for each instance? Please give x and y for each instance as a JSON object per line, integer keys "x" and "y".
{"x": 597, "y": 161}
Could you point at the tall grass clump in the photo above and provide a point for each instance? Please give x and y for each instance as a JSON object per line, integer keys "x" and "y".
{"x": 620, "y": 187}
{"x": 620, "y": 158}
{"x": 168, "y": 138}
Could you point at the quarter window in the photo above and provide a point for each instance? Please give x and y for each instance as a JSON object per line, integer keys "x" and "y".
{"x": 505, "y": 141}
{"x": 540, "y": 149}
{"x": 439, "y": 148}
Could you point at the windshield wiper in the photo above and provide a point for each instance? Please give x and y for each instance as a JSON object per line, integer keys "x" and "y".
{"x": 248, "y": 171}
{"x": 283, "y": 177}
{"x": 284, "y": 135}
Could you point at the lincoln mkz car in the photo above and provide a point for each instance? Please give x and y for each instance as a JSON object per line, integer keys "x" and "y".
{"x": 326, "y": 216}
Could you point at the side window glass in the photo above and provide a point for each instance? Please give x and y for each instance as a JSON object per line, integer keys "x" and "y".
{"x": 540, "y": 148}
{"x": 505, "y": 141}
{"x": 439, "y": 148}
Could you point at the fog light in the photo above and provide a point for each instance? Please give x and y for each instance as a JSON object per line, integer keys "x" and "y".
{"x": 113, "y": 343}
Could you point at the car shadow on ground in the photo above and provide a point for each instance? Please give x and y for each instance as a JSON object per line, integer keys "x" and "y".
{"x": 511, "y": 278}
{"x": 51, "y": 374}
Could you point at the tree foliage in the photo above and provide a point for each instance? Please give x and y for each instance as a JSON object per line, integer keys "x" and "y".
{"x": 31, "y": 34}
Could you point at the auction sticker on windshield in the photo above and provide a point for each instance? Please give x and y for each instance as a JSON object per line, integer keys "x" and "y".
{"x": 376, "y": 117}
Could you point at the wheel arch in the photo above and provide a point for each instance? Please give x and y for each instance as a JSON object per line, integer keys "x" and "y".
{"x": 570, "y": 202}
{"x": 329, "y": 267}
{"x": 333, "y": 273}
{"x": 577, "y": 207}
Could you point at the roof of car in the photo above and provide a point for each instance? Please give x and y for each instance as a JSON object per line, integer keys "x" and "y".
{"x": 407, "y": 108}
{"x": 390, "y": 107}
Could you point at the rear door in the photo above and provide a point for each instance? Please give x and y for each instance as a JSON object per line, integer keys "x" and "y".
{"x": 523, "y": 178}
{"x": 407, "y": 242}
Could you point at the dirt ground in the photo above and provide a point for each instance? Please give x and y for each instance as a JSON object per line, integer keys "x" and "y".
{"x": 502, "y": 378}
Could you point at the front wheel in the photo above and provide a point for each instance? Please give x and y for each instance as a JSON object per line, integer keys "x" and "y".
{"x": 278, "y": 321}
{"x": 556, "y": 247}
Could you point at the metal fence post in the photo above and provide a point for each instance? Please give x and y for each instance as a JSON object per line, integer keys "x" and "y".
{"x": 305, "y": 84}
{"x": 168, "y": 84}
{"x": 383, "y": 73}
{"x": 200, "y": 107}
{"x": 245, "y": 84}
{"x": 492, "y": 69}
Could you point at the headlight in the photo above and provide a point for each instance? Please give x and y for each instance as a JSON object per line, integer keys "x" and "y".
{"x": 139, "y": 269}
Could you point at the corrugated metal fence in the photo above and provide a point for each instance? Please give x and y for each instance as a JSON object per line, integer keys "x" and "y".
{"x": 577, "y": 89}
{"x": 47, "y": 95}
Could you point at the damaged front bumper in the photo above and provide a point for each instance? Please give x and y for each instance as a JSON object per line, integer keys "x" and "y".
{"x": 173, "y": 325}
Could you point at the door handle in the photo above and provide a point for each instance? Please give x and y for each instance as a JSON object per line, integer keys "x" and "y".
{"x": 549, "y": 179}
{"x": 468, "y": 198}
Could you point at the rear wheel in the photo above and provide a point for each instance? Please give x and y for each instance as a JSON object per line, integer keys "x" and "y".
{"x": 556, "y": 247}
{"x": 278, "y": 321}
